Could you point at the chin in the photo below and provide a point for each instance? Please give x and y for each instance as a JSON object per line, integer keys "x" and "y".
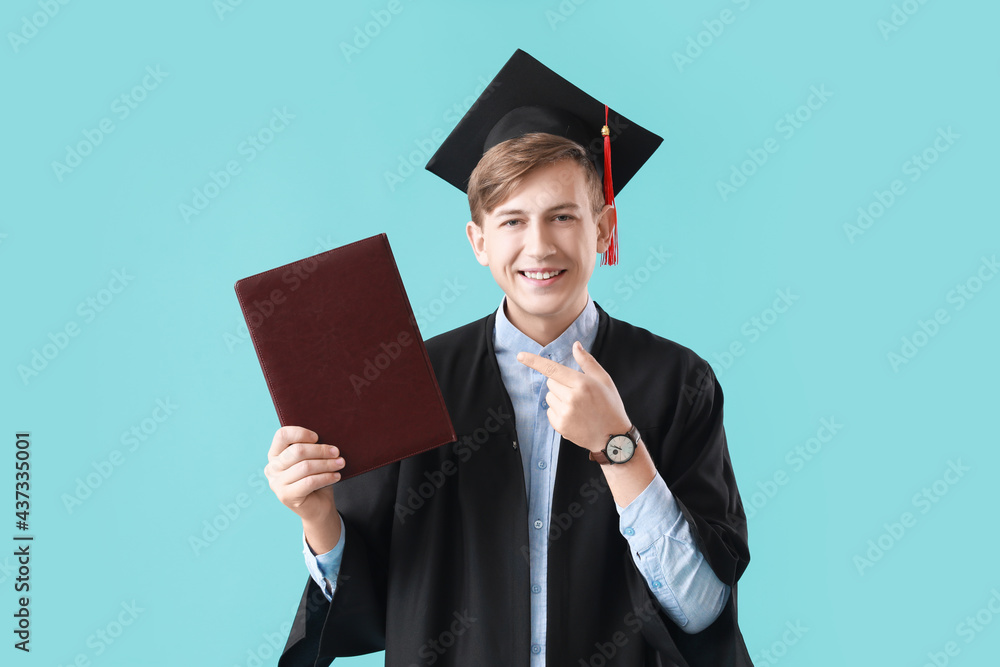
{"x": 549, "y": 306}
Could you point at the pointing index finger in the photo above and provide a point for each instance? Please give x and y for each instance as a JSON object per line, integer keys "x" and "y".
{"x": 548, "y": 368}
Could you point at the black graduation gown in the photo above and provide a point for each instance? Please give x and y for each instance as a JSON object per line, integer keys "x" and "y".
{"x": 435, "y": 569}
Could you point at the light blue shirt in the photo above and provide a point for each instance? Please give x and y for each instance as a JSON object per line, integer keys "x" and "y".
{"x": 657, "y": 533}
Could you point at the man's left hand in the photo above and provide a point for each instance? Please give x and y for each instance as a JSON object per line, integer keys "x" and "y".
{"x": 584, "y": 407}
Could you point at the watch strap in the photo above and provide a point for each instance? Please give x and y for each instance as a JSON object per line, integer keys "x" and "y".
{"x": 600, "y": 457}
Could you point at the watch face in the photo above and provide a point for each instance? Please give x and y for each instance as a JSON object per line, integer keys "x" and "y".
{"x": 620, "y": 449}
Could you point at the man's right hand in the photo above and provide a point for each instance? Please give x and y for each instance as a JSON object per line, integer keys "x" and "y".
{"x": 301, "y": 471}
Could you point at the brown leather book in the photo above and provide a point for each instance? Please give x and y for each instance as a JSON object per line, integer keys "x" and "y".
{"x": 342, "y": 356}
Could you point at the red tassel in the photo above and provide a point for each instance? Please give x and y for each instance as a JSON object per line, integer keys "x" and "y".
{"x": 611, "y": 254}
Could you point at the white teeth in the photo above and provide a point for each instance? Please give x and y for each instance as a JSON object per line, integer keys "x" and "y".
{"x": 541, "y": 275}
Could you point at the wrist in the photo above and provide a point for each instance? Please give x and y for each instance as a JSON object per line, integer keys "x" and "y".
{"x": 319, "y": 517}
{"x": 322, "y": 536}
{"x": 628, "y": 480}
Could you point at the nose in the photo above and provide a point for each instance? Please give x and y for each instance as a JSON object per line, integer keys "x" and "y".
{"x": 538, "y": 240}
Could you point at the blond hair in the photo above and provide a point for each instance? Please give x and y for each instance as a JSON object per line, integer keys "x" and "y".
{"x": 505, "y": 166}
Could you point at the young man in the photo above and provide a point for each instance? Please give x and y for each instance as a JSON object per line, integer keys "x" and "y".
{"x": 588, "y": 513}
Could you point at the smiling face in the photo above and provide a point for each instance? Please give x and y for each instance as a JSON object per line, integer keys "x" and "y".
{"x": 541, "y": 245}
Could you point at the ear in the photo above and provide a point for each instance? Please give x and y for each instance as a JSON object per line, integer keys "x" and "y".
{"x": 604, "y": 228}
{"x": 477, "y": 241}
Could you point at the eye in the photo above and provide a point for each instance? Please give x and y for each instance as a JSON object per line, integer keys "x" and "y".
{"x": 510, "y": 223}
{"x": 564, "y": 217}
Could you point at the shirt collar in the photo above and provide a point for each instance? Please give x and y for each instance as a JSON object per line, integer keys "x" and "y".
{"x": 508, "y": 338}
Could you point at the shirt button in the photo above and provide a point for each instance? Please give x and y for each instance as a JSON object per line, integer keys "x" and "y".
{"x": 538, "y": 523}
{"x": 656, "y": 584}
{"x": 545, "y": 405}
{"x": 629, "y": 532}
{"x": 541, "y": 465}
{"x": 535, "y": 588}
{"x": 536, "y": 649}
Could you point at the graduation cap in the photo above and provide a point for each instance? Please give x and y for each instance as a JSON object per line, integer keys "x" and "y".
{"x": 526, "y": 96}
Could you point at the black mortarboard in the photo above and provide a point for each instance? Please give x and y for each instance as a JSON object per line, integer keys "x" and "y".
{"x": 526, "y": 96}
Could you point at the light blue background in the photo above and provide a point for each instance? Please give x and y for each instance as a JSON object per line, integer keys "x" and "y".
{"x": 173, "y": 332}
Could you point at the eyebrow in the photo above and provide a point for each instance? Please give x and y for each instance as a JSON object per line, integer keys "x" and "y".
{"x": 503, "y": 213}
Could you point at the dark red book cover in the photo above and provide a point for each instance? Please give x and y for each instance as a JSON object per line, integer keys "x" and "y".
{"x": 341, "y": 353}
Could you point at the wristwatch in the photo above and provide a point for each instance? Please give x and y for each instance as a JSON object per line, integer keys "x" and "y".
{"x": 620, "y": 448}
